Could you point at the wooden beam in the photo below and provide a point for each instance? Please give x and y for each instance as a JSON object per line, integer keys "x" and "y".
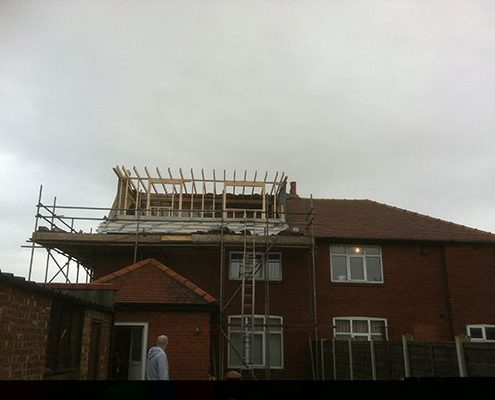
{"x": 193, "y": 182}
{"x": 273, "y": 185}
{"x": 244, "y": 187}
{"x": 150, "y": 180}
{"x": 246, "y": 184}
{"x": 233, "y": 186}
{"x": 203, "y": 194}
{"x": 160, "y": 176}
{"x": 128, "y": 176}
{"x": 139, "y": 179}
{"x": 193, "y": 190}
{"x": 214, "y": 191}
{"x": 183, "y": 180}
{"x": 254, "y": 180}
{"x": 172, "y": 179}
{"x": 214, "y": 184}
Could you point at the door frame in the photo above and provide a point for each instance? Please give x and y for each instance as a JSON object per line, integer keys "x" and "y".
{"x": 144, "y": 343}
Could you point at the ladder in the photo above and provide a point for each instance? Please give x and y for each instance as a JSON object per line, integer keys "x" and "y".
{"x": 248, "y": 279}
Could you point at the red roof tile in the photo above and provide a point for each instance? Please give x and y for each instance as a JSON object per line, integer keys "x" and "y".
{"x": 366, "y": 219}
{"x": 149, "y": 281}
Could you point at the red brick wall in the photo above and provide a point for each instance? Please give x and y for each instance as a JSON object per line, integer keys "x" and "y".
{"x": 414, "y": 297}
{"x": 201, "y": 263}
{"x": 471, "y": 277}
{"x": 188, "y": 351}
{"x": 105, "y": 320}
{"x": 24, "y": 320}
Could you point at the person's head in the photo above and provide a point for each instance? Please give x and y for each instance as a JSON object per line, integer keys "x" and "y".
{"x": 233, "y": 376}
{"x": 162, "y": 341}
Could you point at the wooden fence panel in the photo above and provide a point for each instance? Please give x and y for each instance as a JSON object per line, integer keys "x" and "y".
{"x": 480, "y": 359}
{"x": 437, "y": 360}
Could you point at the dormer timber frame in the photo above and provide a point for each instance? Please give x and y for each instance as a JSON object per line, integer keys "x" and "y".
{"x": 199, "y": 197}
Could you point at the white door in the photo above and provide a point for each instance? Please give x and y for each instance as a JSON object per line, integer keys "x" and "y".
{"x": 135, "y": 337}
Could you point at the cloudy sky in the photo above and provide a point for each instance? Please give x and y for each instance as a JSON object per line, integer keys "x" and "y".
{"x": 392, "y": 101}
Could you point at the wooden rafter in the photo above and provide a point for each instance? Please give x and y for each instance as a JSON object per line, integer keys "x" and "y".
{"x": 160, "y": 176}
{"x": 150, "y": 179}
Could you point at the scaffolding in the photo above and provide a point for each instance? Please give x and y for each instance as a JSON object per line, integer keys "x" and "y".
{"x": 150, "y": 210}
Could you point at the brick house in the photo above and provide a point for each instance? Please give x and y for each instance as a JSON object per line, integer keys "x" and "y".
{"x": 277, "y": 271}
{"x": 50, "y": 334}
{"x": 151, "y": 300}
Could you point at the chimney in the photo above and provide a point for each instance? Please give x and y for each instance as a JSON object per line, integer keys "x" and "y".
{"x": 293, "y": 189}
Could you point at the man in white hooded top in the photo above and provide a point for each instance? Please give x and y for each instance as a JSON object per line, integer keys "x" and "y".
{"x": 157, "y": 363}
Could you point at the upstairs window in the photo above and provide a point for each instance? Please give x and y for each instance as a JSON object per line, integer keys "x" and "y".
{"x": 273, "y": 266}
{"x": 359, "y": 328}
{"x": 481, "y": 333}
{"x": 356, "y": 264}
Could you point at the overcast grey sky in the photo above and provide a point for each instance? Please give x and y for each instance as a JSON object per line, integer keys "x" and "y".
{"x": 392, "y": 101}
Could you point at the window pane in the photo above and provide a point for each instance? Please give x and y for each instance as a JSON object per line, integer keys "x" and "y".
{"x": 257, "y": 350}
{"x": 357, "y": 270}
{"x": 274, "y": 270}
{"x": 342, "y": 325}
{"x": 359, "y": 326}
{"x": 338, "y": 249}
{"x": 235, "y": 343}
{"x": 372, "y": 251}
{"x": 258, "y": 321}
{"x": 378, "y": 327}
{"x": 476, "y": 333}
{"x": 275, "y": 350}
{"x": 358, "y": 251}
{"x": 275, "y": 324}
{"x": 235, "y": 321}
{"x": 235, "y": 269}
{"x": 373, "y": 269}
{"x": 339, "y": 269}
{"x": 490, "y": 333}
{"x": 361, "y": 337}
{"x": 259, "y": 269}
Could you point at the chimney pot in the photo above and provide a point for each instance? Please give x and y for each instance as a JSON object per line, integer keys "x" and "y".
{"x": 293, "y": 188}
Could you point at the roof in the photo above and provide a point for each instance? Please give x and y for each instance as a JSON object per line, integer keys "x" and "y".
{"x": 367, "y": 219}
{"x": 149, "y": 281}
{"x": 52, "y": 292}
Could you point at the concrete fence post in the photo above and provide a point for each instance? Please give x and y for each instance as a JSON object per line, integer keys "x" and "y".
{"x": 322, "y": 352}
{"x": 334, "y": 360}
{"x": 405, "y": 352}
{"x": 373, "y": 359}
{"x": 351, "y": 370}
{"x": 461, "y": 360}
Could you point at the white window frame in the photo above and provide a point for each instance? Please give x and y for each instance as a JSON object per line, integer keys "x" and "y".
{"x": 483, "y": 330}
{"x": 352, "y": 334}
{"x": 348, "y": 263}
{"x": 261, "y": 276}
{"x": 274, "y": 330}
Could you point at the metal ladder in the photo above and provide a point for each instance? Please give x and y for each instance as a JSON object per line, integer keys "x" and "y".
{"x": 248, "y": 279}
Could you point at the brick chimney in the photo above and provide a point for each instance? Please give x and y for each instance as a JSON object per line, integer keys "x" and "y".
{"x": 293, "y": 189}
